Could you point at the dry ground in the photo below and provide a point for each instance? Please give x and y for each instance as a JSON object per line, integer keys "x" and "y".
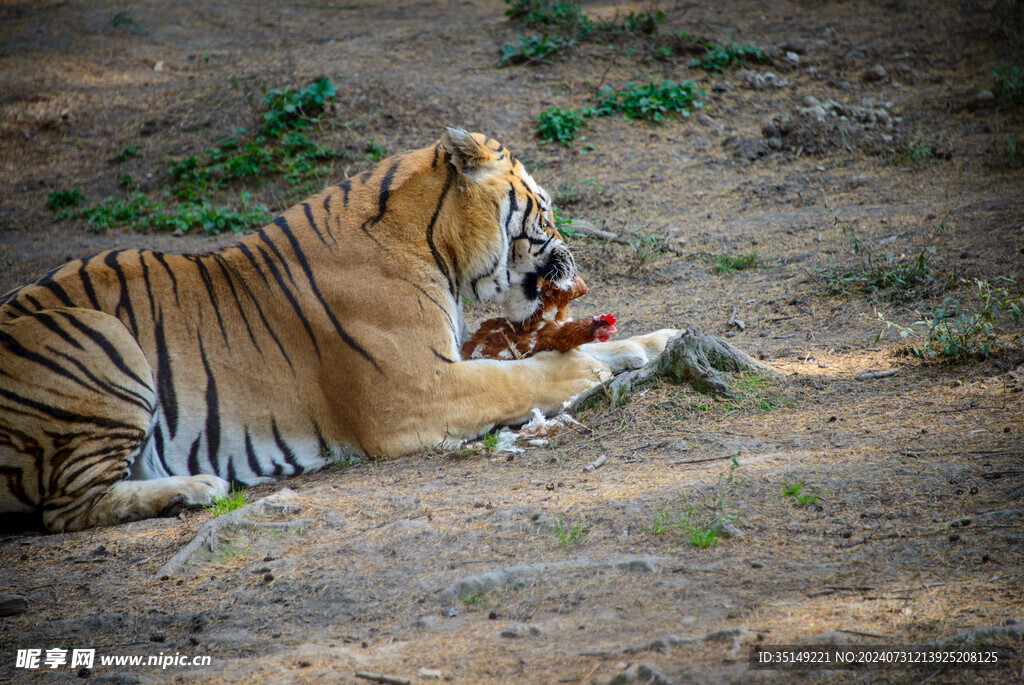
{"x": 372, "y": 584}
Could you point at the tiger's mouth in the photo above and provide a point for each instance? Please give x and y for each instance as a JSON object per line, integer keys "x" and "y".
{"x": 560, "y": 267}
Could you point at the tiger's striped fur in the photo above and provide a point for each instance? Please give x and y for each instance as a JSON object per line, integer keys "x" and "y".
{"x": 134, "y": 382}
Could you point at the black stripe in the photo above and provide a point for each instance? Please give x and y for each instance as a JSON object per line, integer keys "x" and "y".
{"x": 327, "y": 216}
{"x": 228, "y": 277}
{"x": 83, "y": 274}
{"x": 385, "y": 191}
{"x": 122, "y": 393}
{"x": 301, "y": 256}
{"x": 289, "y": 455}
{"x": 193, "y": 457}
{"x": 441, "y": 265}
{"x": 124, "y": 302}
{"x": 158, "y": 446}
{"x": 291, "y": 300}
{"x": 441, "y": 356}
{"x": 50, "y": 322}
{"x": 259, "y": 270}
{"x": 250, "y": 455}
{"x": 149, "y": 286}
{"x": 16, "y": 348}
{"x": 61, "y": 414}
{"x": 105, "y": 345}
{"x": 55, "y": 288}
{"x": 159, "y": 256}
{"x": 325, "y": 449}
{"x": 204, "y": 274}
{"x": 164, "y": 378}
{"x": 312, "y": 222}
{"x": 345, "y": 186}
{"x": 281, "y": 223}
{"x": 212, "y": 414}
{"x": 513, "y": 207}
{"x": 365, "y": 176}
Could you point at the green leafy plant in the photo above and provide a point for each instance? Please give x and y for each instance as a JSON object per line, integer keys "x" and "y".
{"x": 126, "y": 153}
{"x": 896, "y": 278}
{"x": 651, "y": 101}
{"x": 643, "y": 22}
{"x": 295, "y": 109}
{"x": 1009, "y": 83}
{"x": 568, "y": 533}
{"x": 956, "y": 332}
{"x": 374, "y": 152}
{"x": 701, "y": 526}
{"x": 717, "y": 56}
{"x": 646, "y": 250}
{"x": 727, "y": 264}
{"x": 222, "y": 504}
{"x": 565, "y": 16}
{"x": 60, "y": 201}
{"x": 533, "y": 48}
{"x": 799, "y": 495}
{"x": 917, "y": 150}
{"x": 561, "y": 126}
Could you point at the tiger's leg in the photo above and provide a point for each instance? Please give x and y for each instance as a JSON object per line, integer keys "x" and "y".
{"x": 77, "y": 404}
{"x": 629, "y": 353}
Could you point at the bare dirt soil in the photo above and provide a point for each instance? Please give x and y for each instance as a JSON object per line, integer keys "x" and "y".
{"x": 447, "y": 562}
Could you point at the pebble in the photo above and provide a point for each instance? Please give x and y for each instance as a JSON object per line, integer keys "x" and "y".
{"x": 985, "y": 96}
{"x": 516, "y": 630}
{"x": 875, "y": 74}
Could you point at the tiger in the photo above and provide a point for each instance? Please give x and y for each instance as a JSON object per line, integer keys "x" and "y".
{"x": 135, "y": 383}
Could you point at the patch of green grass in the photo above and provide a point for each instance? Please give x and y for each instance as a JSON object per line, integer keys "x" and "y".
{"x": 561, "y": 126}
{"x": 957, "y": 332}
{"x": 651, "y": 101}
{"x": 916, "y": 151}
{"x": 642, "y": 22}
{"x": 646, "y": 250}
{"x": 222, "y": 504}
{"x": 894, "y": 277}
{"x": 798, "y": 495}
{"x": 490, "y": 441}
{"x": 700, "y": 526}
{"x": 374, "y": 152}
{"x": 563, "y": 225}
{"x": 482, "y": 600}
{"x": 727, "y": 264}
{"x": 533, "y": 48}
{"x": 127, "y": 152}
{"x": 565, "y": 16}
{"x": 296, "y": 109}
{"x": 717, "y": 56}
{"x": 1009, "y": 83}
{"x": 62, "y": 200}
{"x": 139, "y": 212}
{"x": 568, "y": 533}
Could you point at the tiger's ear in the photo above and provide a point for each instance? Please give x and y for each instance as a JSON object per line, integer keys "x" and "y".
{"x": 469, "y": 156}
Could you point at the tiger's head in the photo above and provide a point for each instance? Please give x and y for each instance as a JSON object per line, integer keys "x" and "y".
{"x": 511, "y": 227}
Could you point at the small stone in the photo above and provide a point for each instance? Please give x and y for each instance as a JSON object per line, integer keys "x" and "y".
{"x": 12, "y": 605}
{"x": 159, "y": 66}
{"x": 875, "y": 74}
{"x": 517, "y": 630}
{"x": 268, "y": 577}
{"x": 985, "y": 96}
{"x": 728, "y": 530}
{"x": 429, "y": 673}
{"x": 792, "y": 57}
{"x": 757, "y": 564}
{"x": 158, "y": 637}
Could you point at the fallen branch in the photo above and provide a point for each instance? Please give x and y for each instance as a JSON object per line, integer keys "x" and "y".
{"x": 596, "y": 464}
{"x": 281, "y": 503}
{"x": 381, "y": 678}
{"x": 701, "y": 461}
{"x": 691, "y": 357}
{"x": 872, "y": 375}
{"x": 591, "y": 231}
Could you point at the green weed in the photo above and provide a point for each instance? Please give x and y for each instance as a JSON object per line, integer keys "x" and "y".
{"x": 1009, "y": 83}
{"x": 126, "y": 153}
{"x": 222, "y": 504}
{"x": 568, "y": 533}
{"x": 565, "y": 16}
{"x": 646, "y": 250}
{"x": 295, "y": 109}
{"x": 533, "y": 48}
{"x": 374, "y": 152}
{"x": 956, "y": 332}
{"x": 561, "y": 126}
{"x": 727, "y": 264}
{"x": 916, "y": 151}
{"x": 801, "y": 497}
{"x": 717, "y": 56}
{"x": 482, "y": 600}
{"x": 490, "y": 441}
{"x": 62, "y": 200}
{"x": 652, "y": 101}
{"x": 895, "y": 278}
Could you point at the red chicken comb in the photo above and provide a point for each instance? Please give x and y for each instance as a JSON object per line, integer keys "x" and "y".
{"x": 607, "y": 318}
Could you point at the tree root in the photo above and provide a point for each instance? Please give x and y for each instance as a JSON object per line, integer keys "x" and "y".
{"x": 691, "y": 357}
{"x": 280, "y": 503}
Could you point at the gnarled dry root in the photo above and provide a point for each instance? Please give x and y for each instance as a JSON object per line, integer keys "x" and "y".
{"x": 691, "y": 357}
